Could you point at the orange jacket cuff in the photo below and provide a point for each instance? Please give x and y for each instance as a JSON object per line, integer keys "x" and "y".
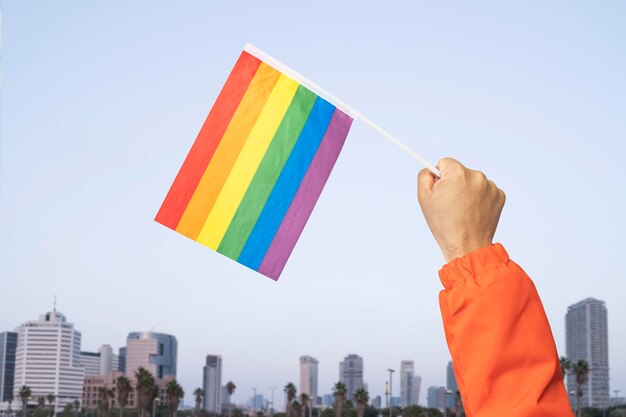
{"x": 472, "y": 264}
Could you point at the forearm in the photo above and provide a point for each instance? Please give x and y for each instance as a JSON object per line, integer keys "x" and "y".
{"x": 502, "y": 348}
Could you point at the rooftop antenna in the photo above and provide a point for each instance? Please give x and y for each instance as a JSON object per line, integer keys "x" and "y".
{"x": 55, "y": 304}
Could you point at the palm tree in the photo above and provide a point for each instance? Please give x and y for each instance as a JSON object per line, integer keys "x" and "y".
{"x": 25, "y": 393}
{"x": 147, "y": 390}
{"x": 76, "y": 407}
{"x": 291, "y": 391}
{"x": 51, "y": 398}
{"x": 304, "y": 401}
{"x": 296, "y": 408}
{"x": 566, "y": 365}
{"x": 362, "y": 397}
{"x": 9, "y": 400}
{"x": 339, "y": 391}
{"x": 230, "y": 388}
{"x": 581, "y": 371}
{"x": 104, "y": 393}
{"x": 124, "y": 388}
{"x": 198, "y": 393}
{"x": 174, "y": 393}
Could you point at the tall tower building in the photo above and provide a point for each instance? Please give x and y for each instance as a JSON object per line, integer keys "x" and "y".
{"x": 451, "y": 386}
{"x": 351, "y": 374}
{"x": 156, "y": 352}
{"x": 406, "y": 382}
{"x": 8, "y": 345}
{"x": 415, "y": 390}
{"x": 212, "y": 384}
{"x": 586, "y": 337}
{"x": 121, "y": 367}
{"x": 47, "y": 359}
{"x": 308, "y": 377}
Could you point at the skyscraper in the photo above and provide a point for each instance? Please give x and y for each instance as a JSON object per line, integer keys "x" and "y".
{"x": 8, "y": 345}
{"x": 451, "y": 386}
{"x": 156, "y": 352}
{"x": 586, "y": 337}
{"x": 437, "y": 398}
{"x": 406, "y": 382}
{"x": 122, "y": 359}
{"x": 351, "y": 374}
{"x": 48, "y": 359}
{"x": 212, "y": 383}
{"x": 308, "y": 377}
{"x": 415, "y": 390}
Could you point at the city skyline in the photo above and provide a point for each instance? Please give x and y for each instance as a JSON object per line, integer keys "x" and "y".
{"x": 101, "y": 103}
{"x": 150, "y": 344}
{"x": 351, "y": 368}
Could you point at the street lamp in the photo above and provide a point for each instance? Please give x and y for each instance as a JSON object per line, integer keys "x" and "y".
{"x": 391, "y": 371}
{"x": 154, "y": 404}
{"x": 271, "y": 410}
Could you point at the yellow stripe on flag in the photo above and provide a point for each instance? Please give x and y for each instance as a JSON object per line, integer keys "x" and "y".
{"x": 232, "y": 142}
{"x": 247, "y": 163}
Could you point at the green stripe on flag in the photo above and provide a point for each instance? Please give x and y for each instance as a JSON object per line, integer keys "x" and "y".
{"x": 266, "y": 175}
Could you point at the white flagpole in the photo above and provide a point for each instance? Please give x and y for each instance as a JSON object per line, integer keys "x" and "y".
{"x": 253, "y": 50}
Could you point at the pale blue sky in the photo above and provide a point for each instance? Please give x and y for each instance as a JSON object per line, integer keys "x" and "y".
{"x": 102, "y": 100}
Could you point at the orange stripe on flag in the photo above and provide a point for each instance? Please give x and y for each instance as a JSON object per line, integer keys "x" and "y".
{"x": 227, "y": 152}
{"x": 207, "y": 141}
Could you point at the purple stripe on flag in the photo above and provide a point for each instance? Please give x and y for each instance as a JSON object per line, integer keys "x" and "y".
{"x": 307, "y": 195}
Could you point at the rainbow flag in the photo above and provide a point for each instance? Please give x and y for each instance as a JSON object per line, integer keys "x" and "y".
{"x": 258, "y": 165}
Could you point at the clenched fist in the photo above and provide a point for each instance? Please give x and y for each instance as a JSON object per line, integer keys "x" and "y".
{"x": 462, "y": 208}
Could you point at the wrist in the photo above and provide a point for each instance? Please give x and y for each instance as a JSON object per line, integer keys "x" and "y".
{"x": 454, "y": 251}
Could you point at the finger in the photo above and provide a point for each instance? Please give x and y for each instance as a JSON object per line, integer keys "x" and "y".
{"x": 446, "y": 165}
{"x": 425, "y": 182}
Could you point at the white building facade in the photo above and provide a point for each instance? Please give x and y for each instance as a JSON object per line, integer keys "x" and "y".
{"x": 48, "y": 359}
{"x": 101, "y": 362}
{"x": 587, "y": 337}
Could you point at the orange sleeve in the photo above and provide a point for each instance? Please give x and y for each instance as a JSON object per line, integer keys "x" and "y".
{"x": 503, "y": 352}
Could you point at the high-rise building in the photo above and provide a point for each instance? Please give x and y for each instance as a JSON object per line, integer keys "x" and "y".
{"x": 8, "y": 345}
{"x": 415, "y": 390}
{"x": 212, "y": 383}
{"x": 377, "y": 402}
{"x": 351, "y": 374}
{"x": 101, "y": 362}
{"x": 587, "y": 337}
{"x": 256, "y": 402}
{"x": 308, "y": 376}
{"x": 437, "y": 398}
{"x": 328, "y": 400}
{"x": 225, "y": 399}
{"x": 406, "y": 382}
{"x": 156, "y": 352}
{"x": 451, "y": 386}
{"x": 91, "y": 362}
{"x": 122, "y": 359}
{"x": 48, "y": 359}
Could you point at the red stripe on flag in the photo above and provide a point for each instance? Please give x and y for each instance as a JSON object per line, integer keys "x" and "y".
{"x": 209, "y": 137}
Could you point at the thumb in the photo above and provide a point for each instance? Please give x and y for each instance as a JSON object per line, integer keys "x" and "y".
{"x": 425, "y": 182}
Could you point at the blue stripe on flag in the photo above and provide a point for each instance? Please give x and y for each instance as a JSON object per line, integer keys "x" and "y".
{"x": 287, "y": 184}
